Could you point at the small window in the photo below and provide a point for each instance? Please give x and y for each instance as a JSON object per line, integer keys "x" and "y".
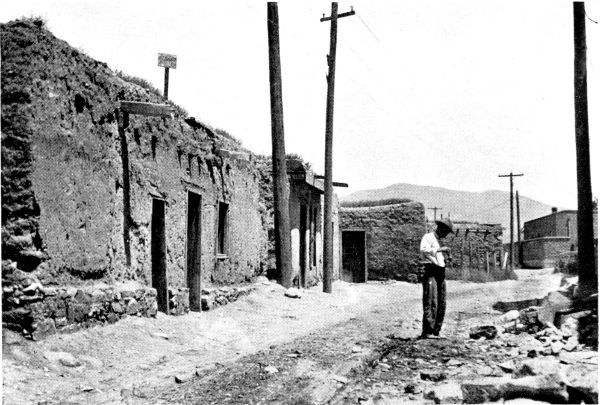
{"x": 222, "y": 229}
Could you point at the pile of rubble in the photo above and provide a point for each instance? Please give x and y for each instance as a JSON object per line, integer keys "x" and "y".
{"x": 559, "y": 322}
{"x": 214, "y": 297}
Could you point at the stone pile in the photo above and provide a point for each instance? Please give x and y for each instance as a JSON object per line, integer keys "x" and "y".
{"x": 36, "y": 310}
{"x": 179, "y": 301}
{"x": 213, "y": 297}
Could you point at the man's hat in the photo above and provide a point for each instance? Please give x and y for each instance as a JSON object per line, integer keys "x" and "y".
{"x": 447, "y": 223}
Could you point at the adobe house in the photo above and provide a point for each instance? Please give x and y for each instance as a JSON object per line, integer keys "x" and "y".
{"x": 381, "y": 241}
{"x": 548, "y": 238}
{"x": 306, "y": 222}
{"x": 108, "y": 191}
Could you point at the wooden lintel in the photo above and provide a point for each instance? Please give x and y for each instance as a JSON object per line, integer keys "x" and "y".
{"x": 338, "y": 184}
{"x": 147, "y": 109}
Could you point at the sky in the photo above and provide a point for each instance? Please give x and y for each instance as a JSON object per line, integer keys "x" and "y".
{"x": 439, "y": 93}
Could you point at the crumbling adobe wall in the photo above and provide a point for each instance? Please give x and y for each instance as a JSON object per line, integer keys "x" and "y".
{"x": 393, "y": 234}
{"x": 63, "y": 162}
{"x": 470, "y": 243}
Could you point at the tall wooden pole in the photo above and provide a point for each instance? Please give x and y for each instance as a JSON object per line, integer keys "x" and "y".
{"x": 328, "y": 209}
{"x": 283, "y": 244}
{"x": 518, "y": 229}
{"x": 512, "y": 220}
{"x": 588, "y": 276}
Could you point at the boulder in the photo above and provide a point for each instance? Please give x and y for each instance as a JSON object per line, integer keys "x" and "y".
{"x": 43, "y": 328}
{"x": 293, "y": 293}
{"x": 553, "y": 302}
{"x": 445, "y": 394}
{"x": 582, "y": 382}
{"x": 485, "y": 331}
{"x": 433, "y": 375}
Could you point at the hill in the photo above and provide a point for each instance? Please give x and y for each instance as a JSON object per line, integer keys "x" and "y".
{"x": 484, "y": 207}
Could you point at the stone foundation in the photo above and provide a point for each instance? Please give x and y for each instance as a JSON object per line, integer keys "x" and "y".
{"x": 37, "y": 311}
{"x": 179, "y": 301}
{"x": 214, "y": 297}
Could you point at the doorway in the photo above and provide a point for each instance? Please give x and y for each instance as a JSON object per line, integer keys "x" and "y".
{"x": 354, "y": 258}
{"x": 159, "y": 255}
{"x": 194, "y": 250}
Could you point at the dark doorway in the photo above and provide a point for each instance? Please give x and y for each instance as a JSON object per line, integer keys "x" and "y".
{"x": 194, "y": 250}
{"x": 303, "y": 246}
{"x": 354, "y": 259}
{"x": 159, "y": 255}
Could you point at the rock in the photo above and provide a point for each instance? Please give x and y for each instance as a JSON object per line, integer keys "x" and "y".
{"x": 208, "y": 302}
{"x": 587, "y": 357}
{"x": 569, "y": 327}
{"x": 483, "y": 390}
{"x": 454, "y": 363}
{"x": 445, "y": 394}
{"x": 554, "y": 301}
{"x": 582, "y": 383}
{"x": 412, "y": 388}
{"x": 486, "y": 331}
{"x": 507, "y": 366}
{"x": 356, "y": 349}
{"x": 433, "y": 375}
{"x": 43, "y": 328}
{"x": 133, "y": 307}
{"x": 538, "y": 366}
{"x": 293, "y": 293}
{"x": 340, "y": 379}
{"x": 271, "y": 370}
{"x": 571, "y": 344}
{"x": 64, "y": 358}
{"x": 32, "y": 288}
{"x": 549, "y": 387}
{"x": 262, "y": 280}
{"x": 86, "y": 388}
{"x": 160, "y": 335}
{"x": 557, "y": 347}
{"x": 509, "y": 316}
{"x": 180, "y": 378}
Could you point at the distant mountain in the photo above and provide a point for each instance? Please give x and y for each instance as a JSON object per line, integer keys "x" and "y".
{"x": 490, "y": 207}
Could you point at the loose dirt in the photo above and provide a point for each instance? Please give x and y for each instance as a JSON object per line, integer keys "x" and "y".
{"x": 316, "y": 344}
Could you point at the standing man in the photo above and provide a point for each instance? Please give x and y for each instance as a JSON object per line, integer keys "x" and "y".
{"x": 434, "y": 279}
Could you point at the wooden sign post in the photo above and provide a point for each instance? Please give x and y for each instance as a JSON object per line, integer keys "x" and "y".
{"x": 168, "y": 62}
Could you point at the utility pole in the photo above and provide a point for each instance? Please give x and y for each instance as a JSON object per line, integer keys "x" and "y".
{"x": 518, "y": 228}
{"x": 588, "y": 282}
{"x": 510, "y": 247}
{"x": 327, "y": 215}
{"x": 435, "y": 210}
{"x": 283, "y": 243}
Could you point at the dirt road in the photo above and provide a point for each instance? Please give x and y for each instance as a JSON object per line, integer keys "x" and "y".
{"x": 265, "y": 348}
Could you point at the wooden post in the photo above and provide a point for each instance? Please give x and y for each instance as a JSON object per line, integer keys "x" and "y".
{"x": 166, "y": 90}
{"x": 487, "y": 262}
{"x": 283, "y": 244}
{"x": 328, "y": 209}
{"x": 123, "y": 123}
{"x": 588, "y": 276}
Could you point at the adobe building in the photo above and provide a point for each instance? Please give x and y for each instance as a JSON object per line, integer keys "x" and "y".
{"x": 381, "y": 241}
{"x": 548, "y": 238}
{"x": 306, "y": 199}
{"x": 116, "y": 203}
{"x": 107, "y": 209}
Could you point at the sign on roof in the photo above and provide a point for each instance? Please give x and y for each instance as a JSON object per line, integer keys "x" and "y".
{"x": 167, "y": 60}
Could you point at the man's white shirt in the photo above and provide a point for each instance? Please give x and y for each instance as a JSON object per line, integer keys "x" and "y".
{"x": 430, "y": 246}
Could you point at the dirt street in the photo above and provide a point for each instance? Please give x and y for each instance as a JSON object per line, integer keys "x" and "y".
{"x": 354, "y": 345}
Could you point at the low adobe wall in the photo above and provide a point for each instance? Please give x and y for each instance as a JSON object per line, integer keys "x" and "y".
{"x": 393, "y": 235}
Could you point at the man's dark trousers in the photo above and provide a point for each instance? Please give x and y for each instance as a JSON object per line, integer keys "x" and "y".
{"x": 434, "y": 299}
